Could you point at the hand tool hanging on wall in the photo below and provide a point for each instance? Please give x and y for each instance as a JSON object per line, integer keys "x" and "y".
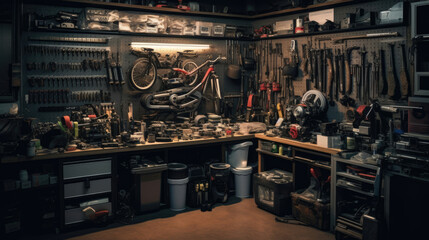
{"x": 305, "y": 59}
{"x": 384, "y": 85}
{"x": 375, "y": 74}
{"x": 114, "y": 71}
{"x": 120, "y": 74}
{"x": 393, "y": 91}
{"x": 335, "y": 75}
{"x": 349, "y": 79}
{"x": 368, "y": 82}
{"x": 330, "y": 79}
{"x": 319, "y": 69}
{"x": 339, "y": 80}
{"x": 361, "y": 84}
{"x": 109, "y": 72}
{"x": 404, "y": 75}
{"x": 342, "y": 84}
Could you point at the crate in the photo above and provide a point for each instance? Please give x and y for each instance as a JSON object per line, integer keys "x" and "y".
{"x": 272, "y": 191}
{"x": 310, "y": 211}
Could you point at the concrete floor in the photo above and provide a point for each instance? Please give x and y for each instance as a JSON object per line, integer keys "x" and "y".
{"x": 241, "y": 220}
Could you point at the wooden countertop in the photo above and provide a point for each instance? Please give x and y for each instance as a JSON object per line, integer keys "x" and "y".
{"x": 113, "y": 150}
{"x": 299, "y": 144}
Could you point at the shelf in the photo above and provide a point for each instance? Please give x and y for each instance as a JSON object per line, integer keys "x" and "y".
{"x": 304, "y": 145}
{"x": 133, "y": 7}
{"x": 356, "y": 190}
{"x": 59, "y": 30}
{"x": 357, "y": 178}
{"x": 274, "y": 154}
{"x": 382, "y": 26}
{"x": 314, "y": 7}
{"x": 355, "y": 163}
{"x": 312, "y": 162}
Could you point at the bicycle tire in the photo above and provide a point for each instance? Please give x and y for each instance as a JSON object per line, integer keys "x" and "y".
{"x": 189, "y": 66}
{"x": 143, "y": 74}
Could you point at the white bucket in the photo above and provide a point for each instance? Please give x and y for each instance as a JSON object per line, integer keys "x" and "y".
{"x": 237, "y": 154}
{"x": 242, "y": 177}
{"x": 177, "y": 193}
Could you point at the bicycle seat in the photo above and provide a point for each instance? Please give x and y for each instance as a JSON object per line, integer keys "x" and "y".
{"x": 188, "y": 53}
{"x": 148, "y": 49}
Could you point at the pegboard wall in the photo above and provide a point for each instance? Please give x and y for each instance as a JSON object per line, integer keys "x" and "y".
{"x": 323, "y": 41}
{"x": 81, "y": 90}
{"x": 122, "y": 95}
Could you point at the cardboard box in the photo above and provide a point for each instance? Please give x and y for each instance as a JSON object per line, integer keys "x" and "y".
{"x": 329, "y": 141}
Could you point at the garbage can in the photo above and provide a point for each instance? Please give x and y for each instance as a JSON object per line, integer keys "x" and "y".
{"x": 177, "y": 181}
{"x": 242, "y": 178}
{"x": 148, "y": 181}
{"x": 219, "y": 174}
{"x": 237, "y": 154}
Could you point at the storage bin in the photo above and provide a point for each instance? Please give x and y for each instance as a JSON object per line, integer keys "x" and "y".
{"x": 310, "y": 211}
{"x": 272, "y": 191}
{"x": 238, "y": 153}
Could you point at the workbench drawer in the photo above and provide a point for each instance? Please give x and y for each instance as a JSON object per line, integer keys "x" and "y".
{"x": 87, "y": 168}
{"x": 76, "y": 215}
{"x": 83, "y": 188}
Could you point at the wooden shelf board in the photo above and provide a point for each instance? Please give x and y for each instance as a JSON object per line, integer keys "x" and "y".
{"x": 291, "y": 142}
{"x": 274, "y": 154}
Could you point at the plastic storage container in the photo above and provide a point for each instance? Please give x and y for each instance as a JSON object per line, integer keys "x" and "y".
{"x": 177, "y": 181}
{"x": 272, "y": 191}
{"x": 310, "y": 211}
{"x": 148, "y": 182}
{"x": 237, "y": 154}
{"x": 242, "y": 178}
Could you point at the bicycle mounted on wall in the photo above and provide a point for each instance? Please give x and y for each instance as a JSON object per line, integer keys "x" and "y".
{"x": 144, "y": 72}
{"x": 187, "y": 98}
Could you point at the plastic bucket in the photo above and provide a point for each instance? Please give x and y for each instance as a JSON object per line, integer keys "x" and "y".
{"x": 237, "y": 154}
{"x": 177, "y": 193}
{"x": 242, "y": 177}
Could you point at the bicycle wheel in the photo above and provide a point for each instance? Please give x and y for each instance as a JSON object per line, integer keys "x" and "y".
{"x": 143, "y": 74}
{"x": 191, "y": 80}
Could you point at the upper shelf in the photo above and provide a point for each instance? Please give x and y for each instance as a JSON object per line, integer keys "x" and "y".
{"x": 123, "y": 6}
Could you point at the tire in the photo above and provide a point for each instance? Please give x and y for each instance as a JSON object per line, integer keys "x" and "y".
{"x": 143, "y": 74}
{"x": 193, "y": 80}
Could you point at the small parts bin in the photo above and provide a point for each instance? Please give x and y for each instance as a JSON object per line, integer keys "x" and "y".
{"x": 272, "y": 191}
{"x": 310, "y": 211}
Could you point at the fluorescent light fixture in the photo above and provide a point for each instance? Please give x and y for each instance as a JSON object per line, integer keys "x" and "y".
{"x": 176, "y": 46}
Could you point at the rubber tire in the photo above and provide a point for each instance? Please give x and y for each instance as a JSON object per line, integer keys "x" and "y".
{"x": 186, "y": 67}
{"x": 137, "y": 67}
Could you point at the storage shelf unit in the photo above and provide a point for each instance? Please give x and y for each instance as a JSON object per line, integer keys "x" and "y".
{"x": 343, "y": 225}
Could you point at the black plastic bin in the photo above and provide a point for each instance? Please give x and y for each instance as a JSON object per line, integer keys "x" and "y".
{"x": 272, "y": 191}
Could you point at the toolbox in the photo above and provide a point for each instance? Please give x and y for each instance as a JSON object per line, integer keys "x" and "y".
{"x": 272, "y": 191}
{"x": 310, "y": 211}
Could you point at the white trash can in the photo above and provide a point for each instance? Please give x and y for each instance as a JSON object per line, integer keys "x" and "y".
{"x": 242, "y": 178}
{"x": 237, "y": 154}
{"x": 177, "y": 193}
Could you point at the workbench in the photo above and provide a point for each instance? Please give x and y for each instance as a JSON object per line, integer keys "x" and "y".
{"x": 91, "y": 174}
{"x": 99, "y": 167}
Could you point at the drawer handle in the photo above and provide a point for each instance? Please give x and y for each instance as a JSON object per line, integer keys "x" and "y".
{"x": 87, "y": 183}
